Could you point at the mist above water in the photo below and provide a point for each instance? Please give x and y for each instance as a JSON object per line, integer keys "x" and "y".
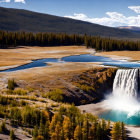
{"x": 125, "y": 93}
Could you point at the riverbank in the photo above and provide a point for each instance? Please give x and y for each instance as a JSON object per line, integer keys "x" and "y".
{"x": 123, "y": 55}
{"x": 23, "y": 55}
{"x": 95, "y": 109}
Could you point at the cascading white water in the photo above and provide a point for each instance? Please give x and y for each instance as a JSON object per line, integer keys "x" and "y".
{"x": 126, "y": 82}
{"x": 125, "y": 93}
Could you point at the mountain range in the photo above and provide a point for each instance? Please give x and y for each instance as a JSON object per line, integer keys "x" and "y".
{"x": 24, "y": 20}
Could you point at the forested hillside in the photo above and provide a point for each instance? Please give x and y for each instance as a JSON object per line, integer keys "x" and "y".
{"x": 23, "y": 20}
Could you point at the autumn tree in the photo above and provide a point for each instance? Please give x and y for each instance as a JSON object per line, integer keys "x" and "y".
{"x": 116, "y": 131}
{"x": 85, "y": 129}
{"x": 77, "y": 133}
{"x": 92, "y": 133}
{"x": 67, "y": 128}
{"x": 57, "y": 134}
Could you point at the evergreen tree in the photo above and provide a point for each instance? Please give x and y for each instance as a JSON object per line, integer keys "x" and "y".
{"x": 104, "y": 129}
{"x": 12, "y": 135}
{"x": 46, "y": 130}
{"x": 41, "y": 130}
{"x": 99, "y": 132}
{"x": 92, "y": 133}
{"x": 85, "y": 129}
{"x": 35, "y": 132}
{"x": 3, "y": 127}
{"x": 108, "y": 125}
{"x": 116, "y": 131}
{"x": 123, "y": 132}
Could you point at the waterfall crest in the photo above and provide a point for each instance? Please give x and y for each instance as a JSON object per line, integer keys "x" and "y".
{"x": 126, "y": 83}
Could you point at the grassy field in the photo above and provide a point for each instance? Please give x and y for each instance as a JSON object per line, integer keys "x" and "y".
{"x": 23, "y": 55}
{"x": 50, "y": 76}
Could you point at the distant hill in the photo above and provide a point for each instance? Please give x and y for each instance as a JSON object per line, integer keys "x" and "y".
{"x": 23, "y": 20}
{"x": 131, "y": 28}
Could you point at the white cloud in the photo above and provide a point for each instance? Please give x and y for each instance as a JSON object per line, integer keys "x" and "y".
{"x": 22, "y": 1}
{"x": 135, "y": 8}
{"x": 112, "y": 19}
{"x": 4, "y": 1}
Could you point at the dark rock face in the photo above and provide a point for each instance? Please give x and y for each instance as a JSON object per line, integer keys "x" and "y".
{"x": 90, "y": 86}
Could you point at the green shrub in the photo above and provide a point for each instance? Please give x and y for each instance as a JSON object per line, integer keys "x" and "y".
{"x": 43, "y": 95}
{"x": 23, "y": 103}
{"x": 12, "y": 135}
{"x": 56, "y": 95}
{"x": 54, "y": 105}
{"x": 85, "y": 88}
{"x": 20, "y": 92}
{"x": 7, "y": 101}
{"x": 9, "y": 92}
{"x": 30, "y": 89}
{"x": 11, "y": 84}
{"x": 3, "y": 127}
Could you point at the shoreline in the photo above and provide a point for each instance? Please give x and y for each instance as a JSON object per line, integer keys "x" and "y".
{"x": 121, "y": 55}
{"x": 96, "y": 109}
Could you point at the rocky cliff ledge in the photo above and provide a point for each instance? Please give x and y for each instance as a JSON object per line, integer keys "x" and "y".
{"x": 90, "y": 86}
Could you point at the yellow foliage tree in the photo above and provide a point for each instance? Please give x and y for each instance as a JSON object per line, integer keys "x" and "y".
{"x": 92, "y": 132}
{"x": 52, "y": 125}
{"x": 57, "y": 134}
{"x": 67, "y": 128}
{"x": 85, "y": 129}
{"x": 116, "y": 131}
{"x": 77, "y": 133}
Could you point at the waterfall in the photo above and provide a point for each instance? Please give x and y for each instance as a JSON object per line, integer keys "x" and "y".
{"x": 125, "y": 93}
{"x": 126, "y": 83}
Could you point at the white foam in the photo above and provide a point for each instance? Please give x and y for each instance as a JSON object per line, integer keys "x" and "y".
{"x": 125, "y": 93}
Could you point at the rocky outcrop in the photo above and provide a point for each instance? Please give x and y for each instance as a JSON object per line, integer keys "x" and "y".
{"x": 90, "y": 86}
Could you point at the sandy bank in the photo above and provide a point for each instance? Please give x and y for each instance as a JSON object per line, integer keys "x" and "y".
{"x": 95, "y": 109}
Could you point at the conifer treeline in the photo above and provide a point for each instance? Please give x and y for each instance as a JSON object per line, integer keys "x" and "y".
{"x": 107, "y": 44}
{"x": 8, "y": 39}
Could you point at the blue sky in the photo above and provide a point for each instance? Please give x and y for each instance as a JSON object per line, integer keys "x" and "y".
{"x": 104, "y": 12}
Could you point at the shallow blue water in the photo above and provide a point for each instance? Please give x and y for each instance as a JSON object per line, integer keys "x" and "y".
{"x": 116, "y": 116}
{"x": 76, "y": 58}
{"x": 104, "y": 60}
{"x": 87, "y": 58}
{"x": 35, "y": 63}
{"x": 124, "y": 64}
